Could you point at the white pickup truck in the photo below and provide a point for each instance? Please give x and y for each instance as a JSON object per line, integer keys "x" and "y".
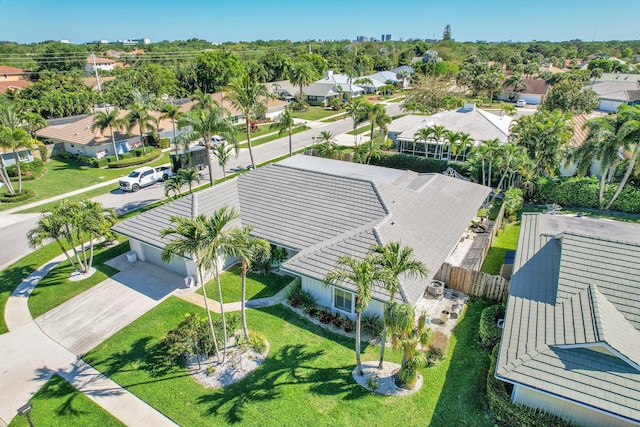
{"x": 144, "y": 176}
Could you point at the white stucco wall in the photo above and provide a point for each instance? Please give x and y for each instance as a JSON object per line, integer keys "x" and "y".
{"x": 577, "y": 414}
{"x": 324, "y": 297}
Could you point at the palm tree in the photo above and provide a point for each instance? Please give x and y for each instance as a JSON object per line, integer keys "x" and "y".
{"x": 191, "y": 239}
{"x": 250, "y": 98}
{"x": 406, "y": 335}
{"x": 423, "y": 134}
{"x": 403, "y": 75}
{"x": 510, "y": 158}
{"x": 301, "y": 74}
{"x": 247, "y": 249}
{"x": 173, "y": 185}
{"x": 515, "y": 80}
{"x": 377, "y": 116}
{"x": 223, "y": 152}
{"x": 49, "y": 227}
{"x": 451, "y": 141}
{"x": 204, "y": 101}
{"x": 188, "y": 176}
{"x": 464, "y": 141}
{"x": 367, "y": 151}
{"x": 173, "y": 113}
{"x": 629, "y": 136}
{"x": 12, "y": 139}
{"x": 139, "y": 115}
{"x": 363, "y": 274}
{"x": 356, "y": 109}
{"x": 326, "y": 144}
{"x": 33, "y": 122}
{"x": 395, "y": 261}
{"x": 106, "y": 120}
{"x": 96, "y": 221}
{"x": 285, "y": 123}
{"x": 205, "y": 124}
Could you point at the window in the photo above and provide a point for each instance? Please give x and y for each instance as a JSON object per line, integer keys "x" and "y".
{"x": 342, "y": 300}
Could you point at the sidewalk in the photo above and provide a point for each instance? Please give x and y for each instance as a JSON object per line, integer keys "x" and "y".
{"x": 29, "y": 358}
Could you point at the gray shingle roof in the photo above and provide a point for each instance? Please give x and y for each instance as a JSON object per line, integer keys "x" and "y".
{"x": 571, "y": 325}
{"x": 327, "y": 208}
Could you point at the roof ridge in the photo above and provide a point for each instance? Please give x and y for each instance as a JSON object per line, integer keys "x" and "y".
{"x": 277, "y": 165}
{"x": 600, "y": 238}
{"x": 484, "y": 114}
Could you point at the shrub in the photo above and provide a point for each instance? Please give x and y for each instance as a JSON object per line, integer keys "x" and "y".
{"x": 438, "y": 346}
{"x": 325, "y": 316}
{"x": 127, "y": 159}
{"x": 18, "y": 197}
{"x": 257, "y": 342}
{"x": 372, "y": 325}
{"x": 297, "y": 297}
{"x": 489, "y": 331}
{"x": 337, "y": 321}
{"x": 211, "y": 370}
{"x": 514, "y": 414}
{"x": 164, "y": 143}
{"x": 348, "y": 325}
{"x": 26, "y": 168}
{"x": 101, "y": 163}
{"x": 373, "y": 383}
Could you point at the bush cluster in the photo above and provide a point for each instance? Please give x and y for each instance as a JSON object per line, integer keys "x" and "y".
{"x": 508, "y": 413}
{"x": 372, "y": 325}
{"x": 489, "y": 331}
{"x": 307, "y": 301}
{"x": 438, "y": 345}
{"x": 27, "y": 169}
{"x": 257, "y": 341}
{"x": 128, "y": 159}
{"x": 18, "y": 197}
{"x": 582, "y": 192}
{"x": 410, "y": 162}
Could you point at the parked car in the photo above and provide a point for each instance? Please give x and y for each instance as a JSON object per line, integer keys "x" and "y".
{"x": 521, "y": 103}
{"x": 144, "y": 176}
{"x": 215, "y": 140}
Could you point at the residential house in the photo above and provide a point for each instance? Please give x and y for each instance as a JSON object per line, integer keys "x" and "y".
{"x": 25, "y": 155}
{"x": 342, "y": 83}
{"x": 13, "y": 78}
{"x": 479, "y": 124}
{"x": 319, "y": 209}
{"x": 615, "y": 89}
{"x": 103, "y": 64}
{"x": 571, "y": 328}
{"x": 532, "y": 90}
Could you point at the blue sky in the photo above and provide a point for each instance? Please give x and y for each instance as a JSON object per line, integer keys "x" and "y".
{"x": 493, "y": 20}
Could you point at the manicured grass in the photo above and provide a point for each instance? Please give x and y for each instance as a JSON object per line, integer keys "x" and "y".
{"x": 13, "y": 275}
{"x": 397, "y": 99}
{"x": 58, "y": 403}
{"x": 258, "y": 285}
{"x": 56, "y": 288}
{"x": 360, "y": 130}
{"x": 315, "y": 113}
{"x": 241, "y": 135}
{"x": 65, "y": 175}
{"x": 274, "y": 136}
{"x": 504, "y": 241}
{"x": 306, "y": 379}
{"x": 335, "y": 118}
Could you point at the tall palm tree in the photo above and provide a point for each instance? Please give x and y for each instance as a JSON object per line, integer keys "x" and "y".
{"x": 250, "y": 98}
{"x": 96, "y": 221}
{"x": 629, "y": 136}
{"x": 363, "y": 274}
{"x": 403, "y": 75}
{"x": 395, "y": 261}
{"x": 301, "y": 74}
{"x": 204, "y": 101}
{"x": 107, "y": 120}
{"x": 464, "y": 141}
{"x": 205, "y": 124}
{"x": 49, "y": 227}
{"x": 286, "y": 123}
{"x": 424, "y": 135}
{"x": 516, "y": 80}
{"x": 438, "y": 134}
{"x": 326, "y": 143}
{"x": 140, "y": 116}
{"x": 191, "y": 239}
{"x": 173, "y": 113}
{"x": 377, "y": 116}
{"x": 247, "y": 249}
{"x": 451, "y": 141}
{"x": 356, "y": 109}
{"x": 510, "y": 159}
{"x": 367, "y": 151}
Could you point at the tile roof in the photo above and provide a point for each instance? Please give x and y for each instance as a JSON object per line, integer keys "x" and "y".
{"x": 617, "y": 90}
{"x": 5, "y": 69}
{"x": 5, "y": 85}
{"x": 573, "y": 314}
{"x": 327, "y": 208}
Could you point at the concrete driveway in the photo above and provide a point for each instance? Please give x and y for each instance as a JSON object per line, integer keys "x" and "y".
{"x": 93, "y": 316}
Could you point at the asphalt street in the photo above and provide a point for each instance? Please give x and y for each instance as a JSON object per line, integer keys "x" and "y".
{"x": 14, "y": 227}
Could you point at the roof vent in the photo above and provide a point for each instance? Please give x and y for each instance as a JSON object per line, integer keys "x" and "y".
{"x": 393, "y": 223}
{"x": 76, "y": 134}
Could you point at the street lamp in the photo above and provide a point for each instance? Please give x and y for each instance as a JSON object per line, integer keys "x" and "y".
{"x": 313, "y": 138}
{"x": 24, "y": 410}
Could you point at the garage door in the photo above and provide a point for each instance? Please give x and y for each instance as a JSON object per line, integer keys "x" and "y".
{"x": 177, "y": 264}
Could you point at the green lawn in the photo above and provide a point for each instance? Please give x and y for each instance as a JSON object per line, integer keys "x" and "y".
{"x": 504, "y": 241}
{"x": 241, "y": 135}
{"x": 336, "y": 118}
{"x": 56, "y": 288}
{"x": 13, "y": 275}
{"x": 397, "y": 99}
{"x": 65, "y": 175}
{"x": 315, "y": 113}
{"x": 274, "y": 136}
{"x": 258, "y": 285}
{"x": 306, "y": 379}
{"x": 360, "y": 130}
{"x": 58, "y": 403}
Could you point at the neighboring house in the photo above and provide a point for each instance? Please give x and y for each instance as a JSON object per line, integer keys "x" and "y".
{"x": 615, "y": 89}
{"x": 319, "y": 209}
{"x": 479, "y": 124}
{"x": 13, "y": 78}
{"x": 320, "y": 93}
{"x": 570, "y": 344}
{"x": 532, "y": 90}
{"x": 103, "y": 64}
{"x": 342, "y": 83}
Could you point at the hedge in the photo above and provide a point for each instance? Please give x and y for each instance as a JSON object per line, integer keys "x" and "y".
{"x": 583, "y": 193}
{"x": 507, "y": 413}
{"x": 410, "y": 162}
{"x": 36, "y": 166}
{"x": 126, "y": 161}
{"x": 489, "y": 331}
{"x": 18, "y": 197}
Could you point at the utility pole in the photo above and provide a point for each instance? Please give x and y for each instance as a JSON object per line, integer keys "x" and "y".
{"x": 95, "y": 69}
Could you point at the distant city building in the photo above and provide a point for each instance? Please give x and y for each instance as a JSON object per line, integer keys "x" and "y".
{"x": 99, "y": 42}
{"x": 66, "y": 42}
{"x": 385, "y": 37}
{"x": 362, "y": 39}
{"x": 133, "y": 42}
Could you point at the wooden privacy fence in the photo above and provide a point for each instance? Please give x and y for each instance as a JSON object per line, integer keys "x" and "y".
{"x": 474, "y": 283}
